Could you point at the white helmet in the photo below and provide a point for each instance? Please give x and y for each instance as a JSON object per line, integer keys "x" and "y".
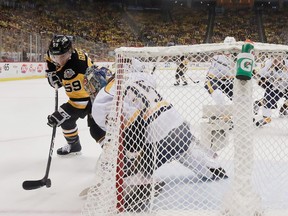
{"x": 229, "y": 40}
{"x": 137, "y": 65}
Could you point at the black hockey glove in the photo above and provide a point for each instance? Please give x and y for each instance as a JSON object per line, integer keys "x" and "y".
{"x": 57, "y": 118}
{"x": 53, "y": 79}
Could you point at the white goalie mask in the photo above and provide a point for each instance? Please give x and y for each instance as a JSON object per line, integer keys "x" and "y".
{"x": 229, "y": 40}
{"x": 137, "y": 66}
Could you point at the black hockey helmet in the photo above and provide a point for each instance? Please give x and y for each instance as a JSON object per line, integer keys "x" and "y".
{"x": 60, "y": 44}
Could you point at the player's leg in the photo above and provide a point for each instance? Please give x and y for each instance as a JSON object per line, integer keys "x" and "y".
{"x": 212, "y": 86}
{"x": 70, "y": 130}
{"x": 177, "y": 78}
{"x": 271, "y": 97}
{"x": 140, "y": 184}
{"x": 197, "y": 160}
{"x": 257, "y": 104}
{"x": 141, "y": 163}
{"x": 183, "y": 78}
{"x": 180, "y": 144}
{"x": 95, "y": 131}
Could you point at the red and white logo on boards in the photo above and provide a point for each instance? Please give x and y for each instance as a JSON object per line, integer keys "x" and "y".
{"x": 24, "y": 68}
{"x": 32, "y": 68}
{"x": 40, "y": 68}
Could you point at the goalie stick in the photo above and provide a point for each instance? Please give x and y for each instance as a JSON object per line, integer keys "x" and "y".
{"x": 45, "y": 181}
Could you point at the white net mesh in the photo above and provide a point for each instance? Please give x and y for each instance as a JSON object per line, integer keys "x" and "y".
{"x": 175, "y": 135}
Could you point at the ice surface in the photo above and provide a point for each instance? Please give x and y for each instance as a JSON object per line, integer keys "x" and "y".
{"x": 25, "y": 141}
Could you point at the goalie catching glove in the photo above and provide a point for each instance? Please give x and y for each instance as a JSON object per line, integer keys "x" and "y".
{"x": 57, "y": 118}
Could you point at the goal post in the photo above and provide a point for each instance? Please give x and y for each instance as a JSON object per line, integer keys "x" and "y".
{"x": 182, "y": 137}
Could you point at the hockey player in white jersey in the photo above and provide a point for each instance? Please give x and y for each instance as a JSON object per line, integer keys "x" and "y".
{"x": 219, "y": 78}
{"x": 181, "y": 70}
{"x": 273, "y": 77}
{"x": 219, "y": 81}
{"x": 220, "y": 75}
{"x": 145, "y": 111}
{"x": 154, "y": 132}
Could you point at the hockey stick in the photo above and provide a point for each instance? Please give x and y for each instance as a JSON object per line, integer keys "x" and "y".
{"x": 194, "y": 81}
{"x": 154, "y": 67}
{"x": 45, "y": 181}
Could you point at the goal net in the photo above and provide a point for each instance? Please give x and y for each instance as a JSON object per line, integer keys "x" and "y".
{"x": 186, "y": 137}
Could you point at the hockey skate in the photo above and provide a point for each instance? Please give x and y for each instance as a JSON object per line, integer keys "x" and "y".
{"x": 263, "y": 122}
{"x": 176, "y": 84}
{"x": 185, "y": 83}
{"x": 70, "y": 149}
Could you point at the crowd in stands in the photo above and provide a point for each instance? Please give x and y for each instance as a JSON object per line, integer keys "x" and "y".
{"x": 181, "y": 26}
{"x": 99, "y": 27}
{"x": 240, "y": 23}
{"x": 276, "y": 26}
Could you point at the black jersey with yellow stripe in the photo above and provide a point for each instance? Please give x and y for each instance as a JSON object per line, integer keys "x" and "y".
{"x": 72, "y": 76}
{"x": 183, "y": 66}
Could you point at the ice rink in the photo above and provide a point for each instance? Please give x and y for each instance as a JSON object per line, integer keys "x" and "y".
{"x": 25, "y": 141}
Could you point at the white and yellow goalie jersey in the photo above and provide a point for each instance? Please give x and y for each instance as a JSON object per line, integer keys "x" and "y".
{"x": 141, "y": 102}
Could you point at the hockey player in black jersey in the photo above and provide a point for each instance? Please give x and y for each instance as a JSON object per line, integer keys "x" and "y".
{"x": 66, "y": 68}
{"x": 180, "y": 71}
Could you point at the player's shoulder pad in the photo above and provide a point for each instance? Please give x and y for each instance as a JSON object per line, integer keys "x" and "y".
{"x": 80, "y": 61}
{"x": 79, "y": 55}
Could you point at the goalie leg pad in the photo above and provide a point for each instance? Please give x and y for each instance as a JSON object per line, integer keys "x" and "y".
{"x": 174, "y": 144}
{"x": 138, "y": 197}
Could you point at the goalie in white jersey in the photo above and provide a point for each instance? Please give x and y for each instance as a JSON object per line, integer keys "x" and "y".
{"x": 154, "y": 132}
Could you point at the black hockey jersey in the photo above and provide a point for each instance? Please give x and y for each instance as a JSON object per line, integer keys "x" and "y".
{"x": 72, "y": 76}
